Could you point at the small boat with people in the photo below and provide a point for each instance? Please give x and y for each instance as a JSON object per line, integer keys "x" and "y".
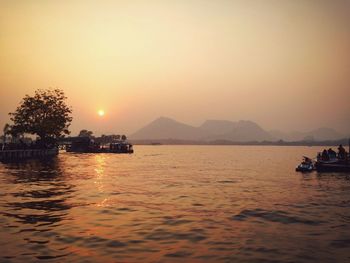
{"x": 327, "y": 161}
{"x": 307, "y": 165}
{"x": 88, "y": 145}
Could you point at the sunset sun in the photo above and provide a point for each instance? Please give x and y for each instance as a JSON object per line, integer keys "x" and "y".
{"x": 101, "y": 113}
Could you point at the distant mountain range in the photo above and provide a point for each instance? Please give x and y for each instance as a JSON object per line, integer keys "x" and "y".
{"x": 320, "y": 134}
{"x": 222, "y": 130}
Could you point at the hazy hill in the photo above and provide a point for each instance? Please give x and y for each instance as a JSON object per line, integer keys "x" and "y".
{"x": 222, "y": 130}
{"x": 166, "y": 128}
{"x": 218, "y": 126}
{"x": 321, "y": 134}
{"x": 241, "y": 131}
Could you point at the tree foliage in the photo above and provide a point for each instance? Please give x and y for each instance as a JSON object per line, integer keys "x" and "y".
{"x": 109, "y": 138}
{"x": 85, "y": 133}
{"x": 6, "y": 131}
{"x": 44, "y": 114}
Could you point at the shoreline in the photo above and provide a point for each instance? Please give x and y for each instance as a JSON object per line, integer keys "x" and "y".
{"x": 330, "y": 143}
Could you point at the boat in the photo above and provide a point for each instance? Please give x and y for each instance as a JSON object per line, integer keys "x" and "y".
{"x": 306, "y": 165}
{"x": 327, "y": 161}
{"x": 87, "y": 145}
{"x": 120, "y": 147}
{"x": 333, "y": 165}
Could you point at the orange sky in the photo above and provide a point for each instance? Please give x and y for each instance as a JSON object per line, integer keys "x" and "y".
{"x": 283, "y": 64}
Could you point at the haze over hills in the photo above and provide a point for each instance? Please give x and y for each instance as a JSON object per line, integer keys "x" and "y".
{"x": 320, "y": 134}
{"x": 211, "y": 130}
{"x": 166, "y": 128}
{"x": 241, "y": 131}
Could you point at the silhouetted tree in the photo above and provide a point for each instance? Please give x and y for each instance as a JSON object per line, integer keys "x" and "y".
{"x": 44, "y": 114}
{"x": 85, "y": 133}
{"x": 6, "y": 130}
{"x": 109, "y": 138}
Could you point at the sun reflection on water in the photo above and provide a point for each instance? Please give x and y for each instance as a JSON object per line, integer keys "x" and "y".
{"x": 100, "y": 163}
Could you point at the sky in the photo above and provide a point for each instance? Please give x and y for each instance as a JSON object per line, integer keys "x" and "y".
{"x": 283, "y": 64}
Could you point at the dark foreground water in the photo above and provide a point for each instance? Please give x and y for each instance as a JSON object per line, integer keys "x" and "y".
{"x": 174, "y": 204}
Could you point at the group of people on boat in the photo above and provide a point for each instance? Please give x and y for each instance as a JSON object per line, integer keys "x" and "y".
{"x": 330, "y": 154}
{"x": 327, "y": 160}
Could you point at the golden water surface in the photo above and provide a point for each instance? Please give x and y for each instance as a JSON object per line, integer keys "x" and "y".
{"x": 174, "y": 204}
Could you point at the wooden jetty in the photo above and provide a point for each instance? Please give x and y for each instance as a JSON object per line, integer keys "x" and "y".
{"x": 18, "y": 155}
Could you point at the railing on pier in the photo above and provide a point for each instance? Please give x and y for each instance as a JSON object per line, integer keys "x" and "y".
{"x": 26, "y": 154}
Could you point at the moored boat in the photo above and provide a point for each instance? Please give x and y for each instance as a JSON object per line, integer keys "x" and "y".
{"x": 87, "y": 145}
{"x": 120, "y": 147}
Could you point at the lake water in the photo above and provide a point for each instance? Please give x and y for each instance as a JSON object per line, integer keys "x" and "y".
{"x": 174, "y": 204}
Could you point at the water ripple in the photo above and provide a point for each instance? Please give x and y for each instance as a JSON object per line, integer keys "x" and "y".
{"x": 274, "y": 216}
